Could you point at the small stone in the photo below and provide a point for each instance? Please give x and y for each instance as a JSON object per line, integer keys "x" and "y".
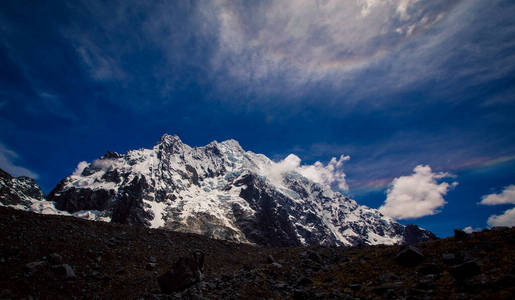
{"x": 314, "y": 256}
{"x": 465, "y": 270}
{"x": 277, "y": 265}
{"x": 388, "y": 277}
{"x": 430, "y": 268}
{"x": 64, "y": 270}
{"x": 55, "y": 259}
{"x": 304, "y": 281}
{"x": 184, "y": 273}
{"x": 356, "y": 287}
{"x": 410, "y": 256}
{"x": 449, "y": 258}
{"x": 35, "y": 266}
{"x": 153, "y": 259}
{"x": 384, "y": 288}
{"x": 270, "y": 259}
{"x": 151, "y": 266}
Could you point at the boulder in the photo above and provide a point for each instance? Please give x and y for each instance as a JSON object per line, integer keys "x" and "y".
{"x": 410, "y": 256}
{"x": 55, "y": 259}
{"x": 64, "y": 270}
{"x": 185, "y": 272}
{"x": 35, "y": 266}
{"x": 459, "y": 234}
{"x": 430, "y": 268}
{"x": 449, "y": 258}
{"x": 465, "y": 270}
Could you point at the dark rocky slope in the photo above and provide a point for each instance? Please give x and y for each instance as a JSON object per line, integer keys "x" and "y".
{"x": 58, "y": 257}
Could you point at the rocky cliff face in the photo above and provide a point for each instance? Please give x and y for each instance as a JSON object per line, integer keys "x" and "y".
{"x": 20, "y": 192}
{"x": 224, "y": 192}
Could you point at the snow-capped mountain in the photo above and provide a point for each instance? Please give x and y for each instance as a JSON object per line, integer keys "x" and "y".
{"x": 224, "y": 192}
{"x": 25, "y": 194}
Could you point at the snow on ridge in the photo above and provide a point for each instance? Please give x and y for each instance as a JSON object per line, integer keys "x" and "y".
{"x": 200, "y": 180}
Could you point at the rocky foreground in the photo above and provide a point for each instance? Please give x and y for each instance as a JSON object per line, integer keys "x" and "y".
{"x": 52, "y": 257}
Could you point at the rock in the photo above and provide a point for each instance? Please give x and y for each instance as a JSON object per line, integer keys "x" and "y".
{"x": 6, "y": 294}
{"x": 384, "y": 288}
{"x": 35, "y": 266}
{"x": 55, "y": 259}
{"x": 184, "y": 273}
{"x": 153, "y": 259}
{"x": 449, "y": 258}
{"x": 459, "y": 234}
{"x": 356, "y": 287}
{"x": 65, "y": 271}
{"x": 277, "y": 265}
{"x": 314, "y": 256}
{"x": 304, "y": 281}
{"x": 410, "y": 256}
{"x": 270, "y": 259}
{"x": 388, "y": 277}
{"x": 151, "y": 266}
{"x": 499, "y": 228}
{"x": 430, "y": 268}
{"x": 465, "y": 270}
{"x": 299, "y": 294}
{"x": 413, "y": 234}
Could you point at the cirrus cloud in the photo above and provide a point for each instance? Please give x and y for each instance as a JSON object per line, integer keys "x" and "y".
{"x": 416, "y": 195}
{"x": 7, "y": 163}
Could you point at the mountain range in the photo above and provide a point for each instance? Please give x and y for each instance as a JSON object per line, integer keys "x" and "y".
{"x": 218, "y": 190}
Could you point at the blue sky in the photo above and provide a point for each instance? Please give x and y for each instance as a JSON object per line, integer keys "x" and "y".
{"x": 392, "y": 84}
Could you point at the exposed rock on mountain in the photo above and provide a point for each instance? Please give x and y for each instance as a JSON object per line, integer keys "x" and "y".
{"x": 224, "y": 192}
{"x": 23, "y": 193}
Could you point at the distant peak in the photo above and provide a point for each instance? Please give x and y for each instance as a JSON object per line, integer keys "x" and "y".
{"x": 167, "y": 138}
{"x": 171, "y": 143}
{"x": 233, "y": 144}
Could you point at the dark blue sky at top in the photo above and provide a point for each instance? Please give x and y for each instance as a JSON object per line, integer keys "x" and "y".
{"x": 430, "y": 84}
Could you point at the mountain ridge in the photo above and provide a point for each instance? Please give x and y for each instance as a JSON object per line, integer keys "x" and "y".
{"x": 221, "y": 191}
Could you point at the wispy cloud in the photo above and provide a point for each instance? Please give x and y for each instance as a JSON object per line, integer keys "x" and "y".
{"x": 8, "y": 160}
{"x": 304, "y": 41}
{"x": 416, "y": 195}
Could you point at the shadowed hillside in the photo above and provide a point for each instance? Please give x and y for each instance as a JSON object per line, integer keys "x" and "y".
{"x": 51, "y": 257}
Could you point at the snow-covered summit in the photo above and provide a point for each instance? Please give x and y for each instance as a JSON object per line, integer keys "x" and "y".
{"x": 222, "y": 191}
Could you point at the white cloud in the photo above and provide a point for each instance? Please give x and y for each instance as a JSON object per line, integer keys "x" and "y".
{"x": 507, "y": 196}
{"x": 7, "y": 159}
{"x": 103, "y": 164}
{"x": 469, "y": 229}
{"x": 80, "y": 167}
{"x": 506, "y": 219}
{"x": 416, "y": 195}
{"x": 331, "y": 174}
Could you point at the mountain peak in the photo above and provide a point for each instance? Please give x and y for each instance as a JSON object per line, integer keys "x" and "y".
{"x": 171, "y": 143}
{"x": 232, "y": 144}
{"x": 225, "y": 192}
{"x": 169, "y": 139}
